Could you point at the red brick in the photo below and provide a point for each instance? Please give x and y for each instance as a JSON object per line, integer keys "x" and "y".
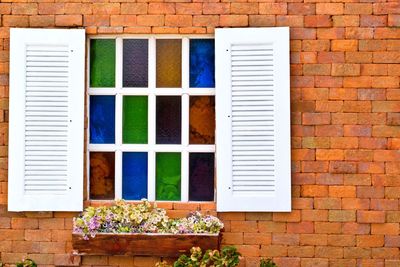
{"x": 262, "y": 20}
{"x": 301, "y": 8}
{"x": 68, "y": 20}
{"x": 355, "y": 204}
{"x": 373, "y": 21}
{"x": 328, "y": 81}
{"x": 356, "y": 228}
{"x": 318, "y": 21}
{"x": 290, "y": 20}
{"x": 385, "y": 253}
{"x": 285, "y": 239}
{"x": 329, "y": 130}
{"x": 359, "y": 33}
{"x": 246, "y": 8}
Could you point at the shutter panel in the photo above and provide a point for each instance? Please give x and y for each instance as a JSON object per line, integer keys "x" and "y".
{"x": 253, "y": 119}
{"x": 47, "y": 68}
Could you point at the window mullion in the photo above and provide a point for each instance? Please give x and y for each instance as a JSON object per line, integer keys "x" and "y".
{"x": 151, "y": 175}
{"x": 118, "y": 118}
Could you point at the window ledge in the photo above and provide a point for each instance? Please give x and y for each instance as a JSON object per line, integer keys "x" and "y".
{"x": 147, "y": 244}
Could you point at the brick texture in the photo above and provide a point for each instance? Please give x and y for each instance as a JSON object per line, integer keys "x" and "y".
{"x": 345, "y": 68}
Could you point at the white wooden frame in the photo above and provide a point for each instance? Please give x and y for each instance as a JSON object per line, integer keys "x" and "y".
{"x": 151, "y": 91}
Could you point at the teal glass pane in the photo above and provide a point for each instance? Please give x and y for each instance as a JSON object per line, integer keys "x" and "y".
{"x": 134, "y": 125}
{"x": 168, "y": 176}
{"x": 102, "y": 63}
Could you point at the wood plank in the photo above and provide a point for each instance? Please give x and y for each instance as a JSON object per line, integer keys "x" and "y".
{"x": 165, "y": 245}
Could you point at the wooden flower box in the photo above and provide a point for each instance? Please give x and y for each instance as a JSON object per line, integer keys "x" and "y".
{"x": 149, "y": 244}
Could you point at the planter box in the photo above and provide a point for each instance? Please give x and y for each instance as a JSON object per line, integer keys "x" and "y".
{"x": 163, "y": 245}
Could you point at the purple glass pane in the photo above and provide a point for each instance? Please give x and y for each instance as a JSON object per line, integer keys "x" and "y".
{"x": 168, "y": 120}
{"x": 201, "y": 176}
{"x": 135, "y": 63}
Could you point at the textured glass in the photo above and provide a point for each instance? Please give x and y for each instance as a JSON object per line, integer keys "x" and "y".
{"x": 201, "y": 176}
{"x": 102, "y": 175}
{"x": 102, "y": 119}
{"x": 202, "y": 63}
{"x": 168, "y": 176}
{"x": 102, "y": 63}
{"x": 202, "y": 120}
{"x": 134, "y": 175}
{"x": 168, "y": 120}
{"x": 169, "y": 62}
{"x": 134, "y": 120}
{"x": 135, "y": 63}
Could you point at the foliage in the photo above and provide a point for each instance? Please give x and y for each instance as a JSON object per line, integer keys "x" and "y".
{"x": 228, "y": 257}
{"x": 26, "y": 263}
{"x": 267, "y": 263}
{"x": 141, "y": 218}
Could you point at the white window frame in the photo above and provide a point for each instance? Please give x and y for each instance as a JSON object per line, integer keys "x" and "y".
{"x": 151, "y": 91}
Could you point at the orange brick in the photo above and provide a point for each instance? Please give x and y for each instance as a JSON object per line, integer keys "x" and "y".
{"x": 96, "y": 20}
{"x": 328, "y": 81}
{"x": 273, "y": 250}
{"x": 51, "y": 223}
{"x": 300, "y": 251}
{"x": 285, "y": 239}
{"x": 300, "y": 228}
{"x": 356, "y": 253}
{"x": 313, "y": 239}
{"x": 314, "y": 215}
{"x": 51, "y": 8}
{"x": 386, "y": 57}
{"x": 329, "y": 154}
{"x": 257, "y": 239}
{"x": 344, "y": 142}
{"x": 232, "y": 238}
{"x": 123, "y": 20}
{"x": 328, "y": 252}
{"x": 42, "y": 21}
{"x": 354, "y": 228}
{"x": 342, "y": 215}
{"x": 358, "y": 8}
{"x": 358, "y": 155}
{"x": 108, "y": 8}
{"x": 24, "y": 223}
{"x": 178, "y": 20}
{"x": 316, "y": 69}
{"x": 370, "y": 192}
{"x": 271, "y": 8}
{"x": 150, "y": 20}
{"x": 216, "y": 8}
{"x": 329, "y": 8}
{"x": 66, "y": 260}
{"x": 344, "y": 45}
{"x": 159, "y": 8}
{"x": 234, "y": 20}
{"x": 25, "y": 246}
{"x": 78, "y": 8}
{"x": 384, "y": 204}
{"x": 68, "y": 20}
{"x": 24, "y": 9}
{"x": 315, "y": 142}
{"x": 262, "y": 20}
{"x": 386, "y": 82}
{"x": 314, "y": 191}
{"x": 342, "y": 191}
{"x": 346, "y": 21}
{"x": 290, "y": 20}
{"x": 341, "y": 240}
{"x": 385, "y": 228}
{"x": 327, "y": 227}
{"x": 344, "y": 118}
{"x": 246, "y": 8}
{"x": 244, "y": 226}
{"x": 271, "y": 227}
{"x": 249, "y": 250}
{"x": 370, "y": 216}
{"x": 15, "y": 21}
{"x": 394, "y": 20}
{"x": 385, "y": 253}
{"x": 293, "y": 216}
{"x": 189, "y": 8}
{"x": 52, "y": 247}
{"x": 343, "y": 94}
{"x": 301, "y": 8}
{"x": 355, "y": 204}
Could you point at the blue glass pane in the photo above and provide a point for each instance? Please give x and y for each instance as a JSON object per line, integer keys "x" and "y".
{"x": 102, "y": 119}
{"x": 134, "y": 175}
{"x": 202, "y": 65}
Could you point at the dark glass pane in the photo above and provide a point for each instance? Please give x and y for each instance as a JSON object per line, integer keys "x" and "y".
{"x": 202, "y": 120}
{"x": 201, "y": 176}
{"x": 135, "y": 65}
{"x": 102, "y": 175}
{"x": 168, "y": 120}
{"x": 168, "y": 62}
{"x": 134, "y": 175}
{"x": 134, "y": 120}
{"x": 168, "y": 176}
{"x": 102, "y": 119}
{"x": 202, "y": 63}
{"x": 102, "y": 63}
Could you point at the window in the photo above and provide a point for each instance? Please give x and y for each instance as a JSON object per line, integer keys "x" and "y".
{"x": 151, "y": 109}
{"x": 152, "y": 118}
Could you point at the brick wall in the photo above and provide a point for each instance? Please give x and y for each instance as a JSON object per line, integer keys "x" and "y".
{"x": 345, "y": 97}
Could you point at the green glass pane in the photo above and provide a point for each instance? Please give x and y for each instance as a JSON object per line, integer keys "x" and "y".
{"x": 102, "y": 63}
{"x": 168, "y": 176}
{"x": 134, "y": 120}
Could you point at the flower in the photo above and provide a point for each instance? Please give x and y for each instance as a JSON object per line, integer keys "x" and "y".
{"x": 141, "y": 218}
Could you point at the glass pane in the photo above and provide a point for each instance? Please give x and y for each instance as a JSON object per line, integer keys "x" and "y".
{"x": 134, "y": 175}
{"x": 102, "y": 63}
{"x": 201, "y": 176}
{"x": 168, "y": 176}
{"x": 135, "y": 63}
{"x": 202, "y": 120}
{"x": 102, "y": 175}
{"x": 169, "y": 62}
{"x": 134, "y": 120}
{"x": 102, "y": 119}
{"x": 168, "y": 120}
{"x": 202, "y": 65}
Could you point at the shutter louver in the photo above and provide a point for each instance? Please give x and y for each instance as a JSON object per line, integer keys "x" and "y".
{"x": 46, "y": 117}
{"x": 253, "y": 141}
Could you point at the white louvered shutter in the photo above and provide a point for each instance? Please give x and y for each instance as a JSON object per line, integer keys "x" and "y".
{"x": 47, "y": 70}
{"x": 253, "y": 119}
